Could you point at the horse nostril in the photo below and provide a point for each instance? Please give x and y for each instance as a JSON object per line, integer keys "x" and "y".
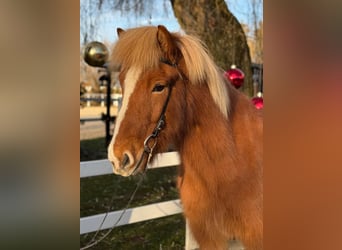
{"x": 125, "y": 160}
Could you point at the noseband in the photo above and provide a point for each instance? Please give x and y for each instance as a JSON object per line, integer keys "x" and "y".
{"x": 151, "y": 141}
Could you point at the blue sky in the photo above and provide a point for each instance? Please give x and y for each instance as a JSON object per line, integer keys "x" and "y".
{"x": 110, "y": 20}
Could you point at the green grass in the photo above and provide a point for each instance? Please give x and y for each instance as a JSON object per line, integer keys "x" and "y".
{"x": 93, "y": 149}
{"x": 158, "y": 185}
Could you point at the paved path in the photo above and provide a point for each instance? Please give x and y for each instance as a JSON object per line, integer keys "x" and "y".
{"x": 93, "y": 129}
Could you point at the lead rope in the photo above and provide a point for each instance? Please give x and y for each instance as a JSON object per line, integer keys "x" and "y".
{"x": 93, "y": 242}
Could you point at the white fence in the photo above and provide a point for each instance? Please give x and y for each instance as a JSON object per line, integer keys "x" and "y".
{"x": 137, "y": 214}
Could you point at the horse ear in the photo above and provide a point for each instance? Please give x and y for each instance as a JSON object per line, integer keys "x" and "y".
{"x": 168, "y": 45}
{"x": 120, "y": 31}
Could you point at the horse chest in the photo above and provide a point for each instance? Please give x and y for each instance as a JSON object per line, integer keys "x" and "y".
{"x": 195, "y": 196}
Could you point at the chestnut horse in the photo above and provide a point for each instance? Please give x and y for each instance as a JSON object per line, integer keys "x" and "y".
{"x": 174, "y": 94}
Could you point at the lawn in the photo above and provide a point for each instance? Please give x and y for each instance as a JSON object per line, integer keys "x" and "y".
{"x": 158, "y": 185}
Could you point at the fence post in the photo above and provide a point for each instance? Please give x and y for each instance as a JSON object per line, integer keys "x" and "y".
{"x": 190, "y": 242}
{"x": 88, "y": 101}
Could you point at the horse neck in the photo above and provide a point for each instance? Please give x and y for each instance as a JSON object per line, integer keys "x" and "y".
{"x": 208, "y": 144}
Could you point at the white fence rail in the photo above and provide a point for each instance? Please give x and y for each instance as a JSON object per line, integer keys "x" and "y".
{"x": 102, "y": 167}
{"x": 137, "y": 214}
{"x": 132, "y": 215}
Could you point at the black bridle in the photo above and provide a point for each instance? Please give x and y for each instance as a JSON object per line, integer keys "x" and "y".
{"x": 151, "y": 141}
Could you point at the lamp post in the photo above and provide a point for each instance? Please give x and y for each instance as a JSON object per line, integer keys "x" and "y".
{"x": 96, "y": 55}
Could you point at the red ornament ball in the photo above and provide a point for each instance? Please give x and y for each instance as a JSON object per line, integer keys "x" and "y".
{"x": 235, "y": 76}
{"x": 258, "y": 102}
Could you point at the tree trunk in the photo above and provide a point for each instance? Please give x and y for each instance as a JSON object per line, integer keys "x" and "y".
{"x": 213, "y": 23}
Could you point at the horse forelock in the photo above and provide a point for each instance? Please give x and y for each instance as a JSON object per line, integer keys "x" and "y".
{"x": 139, "y": 48}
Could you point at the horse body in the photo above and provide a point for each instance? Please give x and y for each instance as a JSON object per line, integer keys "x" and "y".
{"x": 215, "y": 128}
{"x": 220, "y": 187}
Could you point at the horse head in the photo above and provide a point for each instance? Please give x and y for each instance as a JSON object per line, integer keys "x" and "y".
{"x": 151, "y": 78}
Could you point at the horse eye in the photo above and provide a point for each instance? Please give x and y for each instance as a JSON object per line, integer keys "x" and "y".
{"x": 158, "y": 88}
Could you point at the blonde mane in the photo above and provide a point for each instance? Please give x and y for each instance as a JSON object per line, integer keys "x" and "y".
{"x": 139, "y": 47}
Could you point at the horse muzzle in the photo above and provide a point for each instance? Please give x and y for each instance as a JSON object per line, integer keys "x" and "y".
{"x": 123, "y": 165}
{"x": 127, "y": 165}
